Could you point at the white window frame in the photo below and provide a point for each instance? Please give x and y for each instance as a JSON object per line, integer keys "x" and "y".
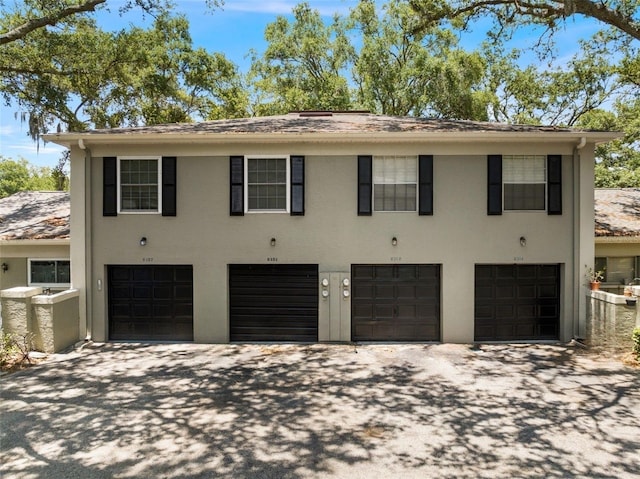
{"x": 373, "y": 183}
{"x": 47, "y": 285}
{"x": 545, "y": 183}
{"x": 287, "y": 159}
{"x": 140, "y": 212}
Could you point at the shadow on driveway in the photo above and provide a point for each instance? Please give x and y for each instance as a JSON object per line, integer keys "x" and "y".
{"x": 307, "y": 411}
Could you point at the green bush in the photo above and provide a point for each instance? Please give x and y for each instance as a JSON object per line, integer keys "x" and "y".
{"x": 636, "y": 343}
{"x": 8, "y": 348}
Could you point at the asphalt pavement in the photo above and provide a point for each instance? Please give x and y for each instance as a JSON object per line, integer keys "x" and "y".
{"x": 321, "y": 411}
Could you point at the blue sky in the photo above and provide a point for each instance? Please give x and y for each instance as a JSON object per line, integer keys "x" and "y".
{"x": 234, "y": 31}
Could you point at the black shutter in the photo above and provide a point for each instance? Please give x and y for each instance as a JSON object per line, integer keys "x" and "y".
{"x": 425, "y": 185}
{"x": 168, "y": 186}
{"x": 109, "y": 186}
{"x": 494, "y": 185}
{"x": 236, "y": 181}
{"x": 297, "y": 186}
{"x": 365, "y": 185}
{"x": 554, "y": 184}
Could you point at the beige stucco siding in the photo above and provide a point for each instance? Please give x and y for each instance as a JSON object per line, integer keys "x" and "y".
{"x": 16, "y": 258}
{"x": 330, "y": 234}
{"x": 618, "y": 249}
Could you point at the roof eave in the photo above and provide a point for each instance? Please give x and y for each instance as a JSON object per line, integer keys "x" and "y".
{"x": 618, "y": 239}
{"x": 70, "y": 139}
{"x": 35, "y": 242}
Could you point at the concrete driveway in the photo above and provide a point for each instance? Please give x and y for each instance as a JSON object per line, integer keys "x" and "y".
{"x": 321, "y": 411}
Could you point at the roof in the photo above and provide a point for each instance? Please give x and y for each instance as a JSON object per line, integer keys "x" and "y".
{"x": 30, "y": 215}
{"x": 617, "y": 212}
{"x": 318, "y": 125}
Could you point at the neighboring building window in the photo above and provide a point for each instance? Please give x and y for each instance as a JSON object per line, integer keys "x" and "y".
{"x": 395, "y": 183}
{"x": 524, "y": 179}
{"x": 49, "y": 272}
{"x": 267, "y": 184}
{"x": 620, "y": 270}
{"x": 139, "y": 185}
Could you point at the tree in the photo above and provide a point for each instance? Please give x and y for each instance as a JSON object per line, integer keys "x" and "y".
{"x": 19, "y": 175}
{"x": 302, "y": 67}
{"x": 399, "y": 72}
{"x": 32, "y": 15}
{"x": 623, "y": 15}
{"x": 554, "y": 95}
{"x": 79, "y": 76}
{"x": 618, "y": 161}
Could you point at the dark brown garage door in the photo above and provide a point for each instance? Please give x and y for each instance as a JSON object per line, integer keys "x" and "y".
{"x": 517, "y": 302}
{"x": 395, "y": 303}
{"x": 151, "y": 303}
{"x": 273, "y": 302}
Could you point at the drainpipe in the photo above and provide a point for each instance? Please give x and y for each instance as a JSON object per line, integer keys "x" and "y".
{"x": 88, "y": 256}
{"x": 577, "y": 210}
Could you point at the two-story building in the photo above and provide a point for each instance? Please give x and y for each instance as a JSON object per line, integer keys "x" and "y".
{"x": 319, "y": 226}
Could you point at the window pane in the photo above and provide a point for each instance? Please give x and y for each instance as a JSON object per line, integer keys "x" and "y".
{"x": 267, "y": 183}
{"x": 43, "y": 271}
{"x": 64, "y": 272}
{"x": 139, "y": 185}
{"x": 524, "y": 169}
{"x": 620, "y": 270}
{"x": 524, "y": 196}
{"x": 395, "y": 183}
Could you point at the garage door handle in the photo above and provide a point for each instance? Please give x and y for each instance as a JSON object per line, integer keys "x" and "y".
{"x": 395, "y": 311}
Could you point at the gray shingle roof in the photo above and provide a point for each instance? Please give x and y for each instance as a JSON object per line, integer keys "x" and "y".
{"x": 35, "y": 215}
{"x": 617, "y": 212}
{"x": 328, "y": 122}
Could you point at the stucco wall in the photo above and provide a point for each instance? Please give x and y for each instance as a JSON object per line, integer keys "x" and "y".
{"x": 458, "y": 235}
{"x": 16, "y": 257}
{"x": 617, "y": 249}
{"x": 55, "y": 321}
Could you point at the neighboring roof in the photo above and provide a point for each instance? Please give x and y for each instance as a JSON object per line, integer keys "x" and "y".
{"x": 617, "y": 212}
{"x": 319, "y": 125}
{"x": 30, "y": 215}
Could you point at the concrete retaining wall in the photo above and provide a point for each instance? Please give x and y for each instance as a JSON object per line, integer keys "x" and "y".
{"x": 53, "y": 319}
{"x": 610, "y": 321}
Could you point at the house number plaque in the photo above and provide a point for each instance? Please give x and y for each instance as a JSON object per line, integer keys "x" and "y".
{"x": 272, "y": 259}
{"x": 147, "y": 260}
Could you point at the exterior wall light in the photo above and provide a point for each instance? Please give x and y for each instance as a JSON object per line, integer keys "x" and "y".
{"x": 143, "y": 241}
{"x": 5, "y": 267}
{"x": 273, "y": 241}
{"x": 523, "y": 241}
{"x": 394, "y": 241}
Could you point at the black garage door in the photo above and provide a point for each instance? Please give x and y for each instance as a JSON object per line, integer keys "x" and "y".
{"x": 395, "y": 303}
{"x": 273, "y": 302}
{"x": 151, "y": 303}
{"x": 517, "y": 302}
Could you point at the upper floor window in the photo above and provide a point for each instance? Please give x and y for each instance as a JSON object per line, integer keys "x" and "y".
{"x": 395, "y": 181}
{"x": 267, "y": 184}
{"x": 50, "y": 272}
{"x": 525, "y": 181}
{"x": 139, "y": 185}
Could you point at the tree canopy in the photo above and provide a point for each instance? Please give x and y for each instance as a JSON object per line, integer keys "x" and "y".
{"x": 62, "y": 71}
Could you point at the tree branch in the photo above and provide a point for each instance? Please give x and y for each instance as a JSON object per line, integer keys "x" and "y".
{"x": 551, "y": 10}
{"x": 35, "y": 23}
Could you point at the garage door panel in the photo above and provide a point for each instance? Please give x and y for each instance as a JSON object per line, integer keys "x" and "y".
{"x": 143, "y": 304}
{"x": 384, "y": 291}
{"x": 533, "y": 311}
{"x": 402, "y": 305}
{"x": 273, "y": 302}
{"x": 142, "y": 292}
{"x": 406, "y": 291}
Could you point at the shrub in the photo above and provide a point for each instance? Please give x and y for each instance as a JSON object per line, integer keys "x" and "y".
{"x": 14, "y": 349}
{"x": 636, "y": 343}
